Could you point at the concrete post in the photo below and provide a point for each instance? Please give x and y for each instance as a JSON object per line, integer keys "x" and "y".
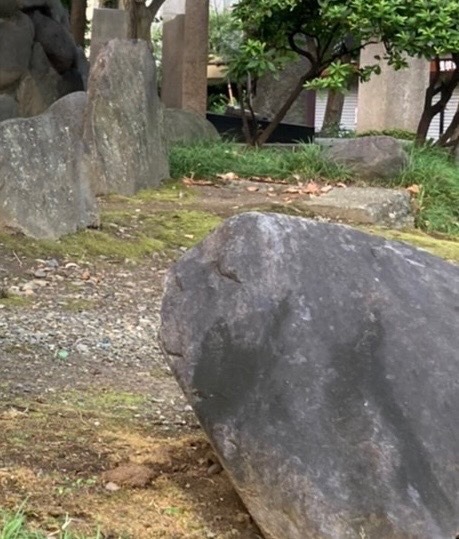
{"x": 393, "y": 99}
{"x": 185, "y": 55}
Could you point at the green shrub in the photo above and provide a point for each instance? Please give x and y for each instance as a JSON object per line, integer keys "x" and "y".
{"x": 438, "y": 178}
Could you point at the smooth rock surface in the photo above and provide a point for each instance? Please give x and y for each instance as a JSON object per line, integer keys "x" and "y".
{"x": 56, "y": 40}
{"x": 41, "y": 192}
{"x": 16, "y": 38}
{"x": 8, "y": 107}
{"x": 323, "y": 365}
{"x": 8, "y": 8}
{"x": 187, "y": 126}
{"x": 368, "y": 157}
{"x": 125, "y": 147}
{"x": 364, "y": 205}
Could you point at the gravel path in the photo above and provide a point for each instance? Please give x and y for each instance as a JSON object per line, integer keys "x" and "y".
{"x": 79, "y": 327}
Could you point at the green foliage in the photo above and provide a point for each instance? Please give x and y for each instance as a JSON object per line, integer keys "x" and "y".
{"x": 217, "y": 103}
{"x": 15, "y": 527}
{"x": 208, "y": 160}
{"x": 331, "y": 32}
{"x": 438, "y": 179}
{"x": 225, "y": 35}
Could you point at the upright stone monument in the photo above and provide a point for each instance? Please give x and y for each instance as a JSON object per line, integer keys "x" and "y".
{"x": 185, "y": 55}
{"x": 393, "y": 99}
{"x": 107, "y": 24}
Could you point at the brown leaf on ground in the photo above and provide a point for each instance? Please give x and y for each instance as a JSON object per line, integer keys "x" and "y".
{"x": 252, "y": 189}
{"x": 191, "y": 181}
{"x": 228, "y": 176}
{"x": 293, "y": 190}
{"x": 414, "y": 189}
{"x": 326, "y": 189}
{"x": 129, "y": 475}
{"x": 312, "y": 189}
{"x": 341, "y": 184}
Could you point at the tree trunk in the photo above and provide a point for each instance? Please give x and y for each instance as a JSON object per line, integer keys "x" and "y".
{"x": 264, "y": 135}
{"x": 78, "y": 21}
{"x": 333, "y": 110}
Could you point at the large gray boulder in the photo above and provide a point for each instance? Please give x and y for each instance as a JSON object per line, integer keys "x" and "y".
{"x": 125, "y": 147}
{"x": 323, "y": 364}
{"x": 8, "y": 8}
{"x": 184, "y": 126}
{"x": 56, "y": 40}
{"x": 8, "y": 107}
{"x": 39, "y": 88}
{"x": 42, "y": 193}
{"x": 378, "y": 157}
{"x": 16, "y": 38}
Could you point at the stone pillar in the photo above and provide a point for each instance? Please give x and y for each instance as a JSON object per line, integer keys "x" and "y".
{"x": 107, "y": 24}
{"x": 185, "y": 55}
{"x": 393, "y": 99}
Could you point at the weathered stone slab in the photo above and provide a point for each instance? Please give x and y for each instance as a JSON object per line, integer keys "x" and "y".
{"x": 125, "y": 147}
{"x": 369, "y": 157}
{"x": 322, "y": 363}
{"x": 41, "y": 192}
{"x": 363, "y": 205}
{"x": 187, "y": 126}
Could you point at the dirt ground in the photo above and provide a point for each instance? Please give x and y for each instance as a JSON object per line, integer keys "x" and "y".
{"x": 84, "y": 388}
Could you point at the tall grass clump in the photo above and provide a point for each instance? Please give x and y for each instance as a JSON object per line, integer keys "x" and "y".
{"x": 438, "y": 179}
{"x": 14, "y": 526}
{"x": 208, "y": 160}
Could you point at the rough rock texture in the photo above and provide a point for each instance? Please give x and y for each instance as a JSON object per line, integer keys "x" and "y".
{"x": 364, "y": 205}
{"x": 16, "y": 39}
{"x": 56, "y": 40}
{"x": 39, "y": 87}
{"x": 369, "y": 157}
{"x": 39, "y": 60}
{"x": 186, "y": 126}
{"x": 8, "y": 107}
{"x": 125, "y": 148}
{"x": 41, "y": 192}
{"x": 322, "y": 363}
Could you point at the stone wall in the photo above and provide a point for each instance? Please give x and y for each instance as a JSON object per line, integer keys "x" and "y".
{"x": 39, "y": 60}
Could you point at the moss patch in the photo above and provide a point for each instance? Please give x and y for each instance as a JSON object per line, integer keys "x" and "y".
{"x": 443, "y": 247}
{"x": 15, "y": 302}
{"x": 123, "y": 235}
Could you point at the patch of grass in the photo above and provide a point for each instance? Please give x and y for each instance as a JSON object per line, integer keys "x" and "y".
{"x": 13, "y": 301}
{"x": 78, "y": 305}
{"x": 207, "y": 160}
{"x": 438, "y": 179}
{"x": 124, "y": 235}
{"x": 14, "y": 526}
{"x": 170, "y": 191}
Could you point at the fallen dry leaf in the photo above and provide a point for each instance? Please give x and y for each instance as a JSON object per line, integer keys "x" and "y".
{"x": 228, "y": 176}
{"x": 252, "y": 189}
{"x": 190, "y": 181}
{"x": 311, "y": 189}
{"x": 341, "y": 184}
{"x": 189, "y": 236}
{"x": 293, "y": 190}
{"x": 326, "y": 189}
{"x": 85, "y": 276}
{"x": 414, "y": 189}
{"x": 271, "y": 194}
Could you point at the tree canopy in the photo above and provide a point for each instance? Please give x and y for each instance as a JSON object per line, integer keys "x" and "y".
{"x": 331, "y": 33}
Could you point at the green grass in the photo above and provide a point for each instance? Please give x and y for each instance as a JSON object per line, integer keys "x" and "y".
{"x": 124, "y": 235}
{"x": 431, "y": 169}
{"x": 207, "y": 160}
{"x": 14, "y": 526}
{"x": 438, "y": 178}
